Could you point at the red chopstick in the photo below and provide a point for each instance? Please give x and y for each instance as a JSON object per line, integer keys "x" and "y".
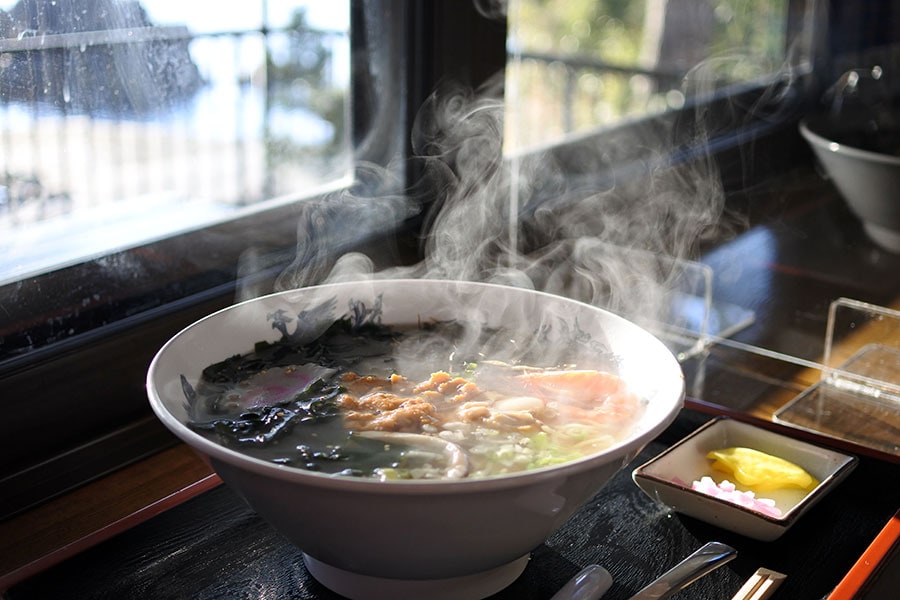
{"x": 868, "y": 563}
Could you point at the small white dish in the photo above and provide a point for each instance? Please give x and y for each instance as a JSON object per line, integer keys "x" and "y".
{"x": 667, "y": 478}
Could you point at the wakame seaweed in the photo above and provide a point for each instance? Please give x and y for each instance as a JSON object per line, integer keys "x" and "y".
{"x": 339, "y": 346}
{"x": 304, "y": 427}
{"x": 266, "y": 424}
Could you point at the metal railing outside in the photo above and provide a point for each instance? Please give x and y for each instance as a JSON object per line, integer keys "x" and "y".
{"x": 59, "y": 153}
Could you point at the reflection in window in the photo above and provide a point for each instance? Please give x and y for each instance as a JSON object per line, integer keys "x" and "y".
{"x": 586, "y": 64}
{"x": 127, "y": 121}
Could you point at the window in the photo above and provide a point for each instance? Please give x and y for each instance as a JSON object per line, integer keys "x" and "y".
{"x": 115, "y": 115}
{"x": 593, "y": 65}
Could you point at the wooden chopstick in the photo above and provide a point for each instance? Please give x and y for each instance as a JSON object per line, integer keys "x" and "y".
{"x": 761, "y": 585}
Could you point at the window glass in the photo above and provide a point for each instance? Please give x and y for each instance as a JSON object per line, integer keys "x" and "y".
{"x": 123, "y": 122}
{"x": 578, "y": 65}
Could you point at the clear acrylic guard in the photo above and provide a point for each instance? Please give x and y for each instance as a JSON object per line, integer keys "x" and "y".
{"x": 857, "y": 398}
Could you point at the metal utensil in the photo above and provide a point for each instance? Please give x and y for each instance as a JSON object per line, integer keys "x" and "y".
{"x": 709, "y": 557}
{"x": 588, "y": 584}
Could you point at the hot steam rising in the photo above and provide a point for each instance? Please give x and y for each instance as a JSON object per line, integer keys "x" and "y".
{"x": 605, "y": 225}
{"x": 608, "y": 220}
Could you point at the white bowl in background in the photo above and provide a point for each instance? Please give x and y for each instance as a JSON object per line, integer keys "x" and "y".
{"x": 438, "y": 539}
{"x": 868, "y": 180}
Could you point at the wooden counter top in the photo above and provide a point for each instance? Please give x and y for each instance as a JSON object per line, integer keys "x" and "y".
{"x": 67, "y": 525}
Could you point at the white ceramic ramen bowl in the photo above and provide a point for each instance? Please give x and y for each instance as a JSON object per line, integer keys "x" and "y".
{"x": 455, "y": 539}
{"x": 868, "y": 180}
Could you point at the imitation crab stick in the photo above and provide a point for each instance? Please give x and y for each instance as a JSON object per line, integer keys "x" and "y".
{"x": 586, "y": 395}
{"x": 579, "y": 386}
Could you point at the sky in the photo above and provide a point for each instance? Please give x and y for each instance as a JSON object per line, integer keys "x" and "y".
{"x": 216, "y": 15}
{"x": 227, "y": 59}
{"x": 207, "y": 16}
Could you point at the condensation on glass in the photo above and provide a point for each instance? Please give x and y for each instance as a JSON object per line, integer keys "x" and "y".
{"x": 123, "y": 122}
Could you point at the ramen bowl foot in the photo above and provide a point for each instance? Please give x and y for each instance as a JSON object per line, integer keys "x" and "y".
{"x": 356, "y": 586}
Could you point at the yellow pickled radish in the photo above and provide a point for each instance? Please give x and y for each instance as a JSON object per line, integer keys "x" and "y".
{"x": 760, "y": 471}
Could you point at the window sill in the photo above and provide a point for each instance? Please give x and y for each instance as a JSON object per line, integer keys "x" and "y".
{"x": 61, "y": 528}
